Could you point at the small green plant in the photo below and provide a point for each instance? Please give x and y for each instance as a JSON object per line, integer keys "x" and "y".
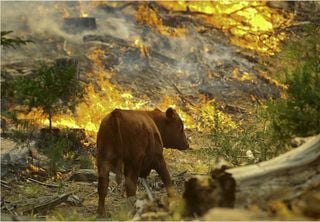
{"x": 53, "y": 89}
{"x": 250, "y": 142}
{"x": 65, "y": 214}
{"x": 32, "y": 190}
{"x": 122, "y": 214}
{"x": 54, "y": 151}
{"x": 60, "y": 146}
{"x": 85, "y": 162}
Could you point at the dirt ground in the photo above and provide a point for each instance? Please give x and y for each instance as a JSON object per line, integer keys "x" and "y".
{"x": 19, "y": 191}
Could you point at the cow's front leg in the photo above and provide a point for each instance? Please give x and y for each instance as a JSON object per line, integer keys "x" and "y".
{"x": 103, "y": 183}
{"x": 161, "y": 168}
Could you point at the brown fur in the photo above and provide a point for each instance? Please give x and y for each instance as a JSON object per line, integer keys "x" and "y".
{"x": 131, "y": 143}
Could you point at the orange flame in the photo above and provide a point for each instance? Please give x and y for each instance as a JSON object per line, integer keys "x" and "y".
{"x": 62, "y": 9}
{"x": 101, "y": 97}
{"x": 81, "y": 10}
{"x": 145, "y": 15}
{"x": 143, "y": 49}
{"x": 250, "y": 24}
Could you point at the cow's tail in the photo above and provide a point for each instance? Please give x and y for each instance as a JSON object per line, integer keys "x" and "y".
{"x": 119, "y": 149}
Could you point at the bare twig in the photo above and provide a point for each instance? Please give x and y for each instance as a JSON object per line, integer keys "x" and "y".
{"x": 6, "y": 186}
{"x": 181, "y": 95}
{"x": 181, "y": 174}
{"x": 144, "y": 183}
{"x": 4, "y": 182}
{"x": 89, "y": 195}
{"x": 10, "y": 210}
{"x": 44, "y": 184}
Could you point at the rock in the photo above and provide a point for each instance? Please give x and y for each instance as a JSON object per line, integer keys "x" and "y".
{"x": 85, "y": 175}
{"x": 14, "y": 159}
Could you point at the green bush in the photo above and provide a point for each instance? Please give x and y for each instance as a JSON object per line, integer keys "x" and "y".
{"x": 250, "y": 142}
{"x": 60, "y": 146}
{"x": 85, "y": 162}
{"x": 299, "y": 113}
{"x": 55, "y": 150}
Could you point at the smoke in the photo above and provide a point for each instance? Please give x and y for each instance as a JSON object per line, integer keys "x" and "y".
{"x": 46, "y": 18}
{"x": 43, "y": 20}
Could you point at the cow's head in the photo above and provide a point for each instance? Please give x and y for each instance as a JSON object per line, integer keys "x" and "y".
{"x": 174, "y": 135}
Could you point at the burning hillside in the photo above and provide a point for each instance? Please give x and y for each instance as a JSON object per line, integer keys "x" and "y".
{"x": 196, "y": 56}
{"x": 67, "y": 64}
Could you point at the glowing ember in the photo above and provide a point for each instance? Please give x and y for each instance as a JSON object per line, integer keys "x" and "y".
{"x": 250, "y": 24}
{"x": 81, "y": 10}
{"x": 35, "y": 169}
{"x": 242, "y": 77}
{"x": 137, "y": 43}
{"x": 62, "y": 9}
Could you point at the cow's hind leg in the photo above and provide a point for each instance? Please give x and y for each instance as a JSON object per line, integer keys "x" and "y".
{"x": 161, "y": 168}
{"x": 103, "y": 183}
{"x": 131, "y": 178}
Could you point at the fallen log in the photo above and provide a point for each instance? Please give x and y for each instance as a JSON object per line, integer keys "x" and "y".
{"x": 284, "y": 178}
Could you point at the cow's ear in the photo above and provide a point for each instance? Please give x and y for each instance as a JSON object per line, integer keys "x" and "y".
{"x": 170, "y": 113}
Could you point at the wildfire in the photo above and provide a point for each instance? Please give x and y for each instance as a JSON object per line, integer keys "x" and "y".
{"x": 250, "y": 24}
{"x": 204, "y": 117}
{"x": 146, "y": 15}
{"x": 101, "y": 97}
{"x": 62, "y": 9}
{"x": 81, "y": 9}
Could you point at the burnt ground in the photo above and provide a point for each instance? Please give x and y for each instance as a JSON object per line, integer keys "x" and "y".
{"x": 20, "y": 194}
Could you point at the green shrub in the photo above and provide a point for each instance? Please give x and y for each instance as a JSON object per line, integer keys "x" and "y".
{"x": 60, "y": 146}
{"x": 299, "y": 113}
{"x": 253, "y": 135}
{"x": 56, "y": 147}
{"x": 53, "y": 89}
{"x": 85, "y": 162}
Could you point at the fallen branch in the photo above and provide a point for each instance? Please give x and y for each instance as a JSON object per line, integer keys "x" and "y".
{"x": 44, "y": 184}
{"x": 48, "y": 203}
{"x": 6, "y": 186}
{"x": 144, "y": 183}
{"x": 89, "y": 195}
{"x": 181, "y": 95}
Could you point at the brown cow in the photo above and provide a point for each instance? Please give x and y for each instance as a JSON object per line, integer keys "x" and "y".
{"x": 131, "y": 142}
